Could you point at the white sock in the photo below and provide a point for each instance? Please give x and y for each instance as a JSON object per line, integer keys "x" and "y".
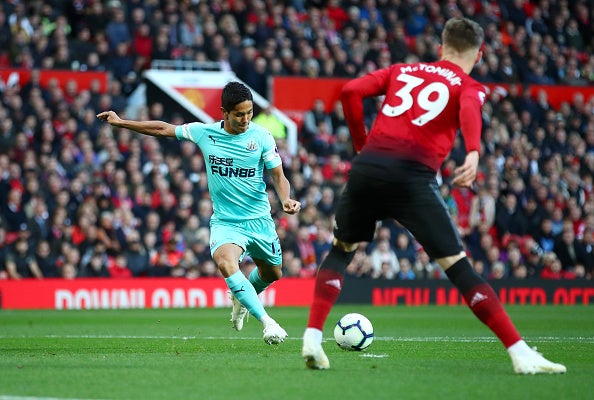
{"x": 520, "y": 347}
{"x": 313, "y": 335}
{"x": 266, "y": 320}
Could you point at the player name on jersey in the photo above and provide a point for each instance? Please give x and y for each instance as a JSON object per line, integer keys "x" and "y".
{"x": 447, "y": 73}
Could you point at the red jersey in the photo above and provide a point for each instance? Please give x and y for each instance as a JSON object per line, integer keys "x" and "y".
{"x": 424, "y": 105}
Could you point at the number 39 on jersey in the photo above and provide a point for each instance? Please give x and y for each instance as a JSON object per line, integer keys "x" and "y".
{"x": 432, "y": 98}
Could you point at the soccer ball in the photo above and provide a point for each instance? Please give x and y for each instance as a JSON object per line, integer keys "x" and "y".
{"x": 353, "y": 332}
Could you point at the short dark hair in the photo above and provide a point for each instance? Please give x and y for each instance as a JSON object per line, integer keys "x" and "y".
{"x": 233, "y": 94}
{"x": 462, "y": 34}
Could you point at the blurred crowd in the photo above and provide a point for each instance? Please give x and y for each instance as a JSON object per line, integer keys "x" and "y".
{"x": 79, "y": 198}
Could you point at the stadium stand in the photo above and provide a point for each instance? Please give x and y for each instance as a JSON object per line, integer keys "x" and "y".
{"x": 82, "y": 195}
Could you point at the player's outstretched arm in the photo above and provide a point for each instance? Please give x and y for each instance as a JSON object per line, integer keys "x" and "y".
{"x": 283, "y": 191}
{"x": 151, "y": 128}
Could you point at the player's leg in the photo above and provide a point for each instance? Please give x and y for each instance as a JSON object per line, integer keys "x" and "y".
{"x": 427, "y": 218}
{"x": 354, "y": 222}
{"x": 239, "y": 312}
{"x": 226, "y": 257}
{"x": 264, "y": 248}
{"x": 327, "y": 288}
{"x": 229, "y": 246}
{"x": 484, "y": 303}
{"x": 262, "y": 277}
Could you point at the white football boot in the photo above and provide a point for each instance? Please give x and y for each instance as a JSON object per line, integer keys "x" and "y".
{"x": 312, "y": 351}
{"x": 527, "y": 360}
{"x": 274, "y": 333}
{"x": 238, "y": 313}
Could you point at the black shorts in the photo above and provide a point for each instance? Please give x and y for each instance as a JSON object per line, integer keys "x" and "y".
{"x": 413, "y": 200}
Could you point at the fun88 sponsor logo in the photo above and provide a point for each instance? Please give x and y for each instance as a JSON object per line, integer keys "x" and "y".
{"x": 223, "y": 166}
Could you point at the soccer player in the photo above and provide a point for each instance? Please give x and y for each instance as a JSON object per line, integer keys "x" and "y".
{"x": 394, "y": 176}
{"x": 236, "y": 151}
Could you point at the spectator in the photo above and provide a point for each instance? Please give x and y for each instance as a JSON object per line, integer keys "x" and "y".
{"x": 425, "y": 268}
{"x": 81, "y": 45}
{"x": 256, "y": 76}
{"x": 322, "y": 243}
{"x": 383, "y": 233}
{"x": 312, "y": 120}
{"x": 165, "y": 259}
{"x": 509, "y": 217}
{"x": 14, "y": 214}
{"x": 268, "y": 120}
{"x": 482, "y": 210}
{"x": 307, "y": 252}
{"x": 96, "y": 267}
{"x": 498, "y": 271}
{"x": 20, "y": 261}
{"x": 107, "y": 234}
{"x": 187, "y": 263}
{"x": 552, "y": 268}
{"x": 46, "y": 261}
{"x": 520, "y": 273}
{"x": 405, "y": 247}
{"x": 94, "y": 262}
{"x": 190, "y": 30}
{"x": 117, "y": 30}
{"x": 463, "y": 198}
{"x": 386, "y": 272}
{"x": 137, "y": 257}
{"x": 534, "y": 214}
{"x": 383, "y": 253}
{"x": 121, "y": 64}
{"x": 337, "y": 117}
{"x": 514, "y": 259}
{"x": 327, "y": 203}
{"x": 162, "y": 49}
{"x": 479, "y": 267}
{"x": 493, "y": 257}
{"x": 406, "y": 272}
{"x": 118, "y": 268}
{"x": 342, "y": 145}
{"x": 39, "y": 223}
{"x": 568, "y": 249}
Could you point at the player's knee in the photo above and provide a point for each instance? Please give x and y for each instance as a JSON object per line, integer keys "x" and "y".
{"x": 227, "y": 265}
{"x": 275, "y": 274}
{"x": 345, "y": 246}
{"x": 463, "y": 276}
{"x": 447, "y": 262}
{"x": 270, "y": 274}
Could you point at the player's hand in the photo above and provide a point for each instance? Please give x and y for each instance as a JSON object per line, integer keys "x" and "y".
{"x": 465, "y": 174}
{"x": 291, "y": 206}
{"x": 109, "y": 116}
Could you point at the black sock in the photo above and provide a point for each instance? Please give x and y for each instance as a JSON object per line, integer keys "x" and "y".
{"x": 463, "y": 276}
{"x": 337, "y": 259}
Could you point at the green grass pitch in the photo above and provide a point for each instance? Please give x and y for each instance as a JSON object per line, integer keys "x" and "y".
{"x": 419, "y": 353}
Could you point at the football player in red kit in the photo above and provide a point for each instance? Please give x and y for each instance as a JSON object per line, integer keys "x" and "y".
{"x": 394, "y": 176}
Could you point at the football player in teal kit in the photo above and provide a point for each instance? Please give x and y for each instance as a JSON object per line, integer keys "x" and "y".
{"x": 236, "y": 151}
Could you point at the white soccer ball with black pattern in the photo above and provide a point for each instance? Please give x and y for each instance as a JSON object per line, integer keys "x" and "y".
{"x": 353, "y": 332}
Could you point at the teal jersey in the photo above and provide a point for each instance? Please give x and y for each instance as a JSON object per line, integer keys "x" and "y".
{"x": 234, "y": 167}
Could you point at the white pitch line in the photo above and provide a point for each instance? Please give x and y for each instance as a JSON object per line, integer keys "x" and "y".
{"x": 2, "y": 397}
{"x": 480, "y": 339}
{"x": 371, "y": 355}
